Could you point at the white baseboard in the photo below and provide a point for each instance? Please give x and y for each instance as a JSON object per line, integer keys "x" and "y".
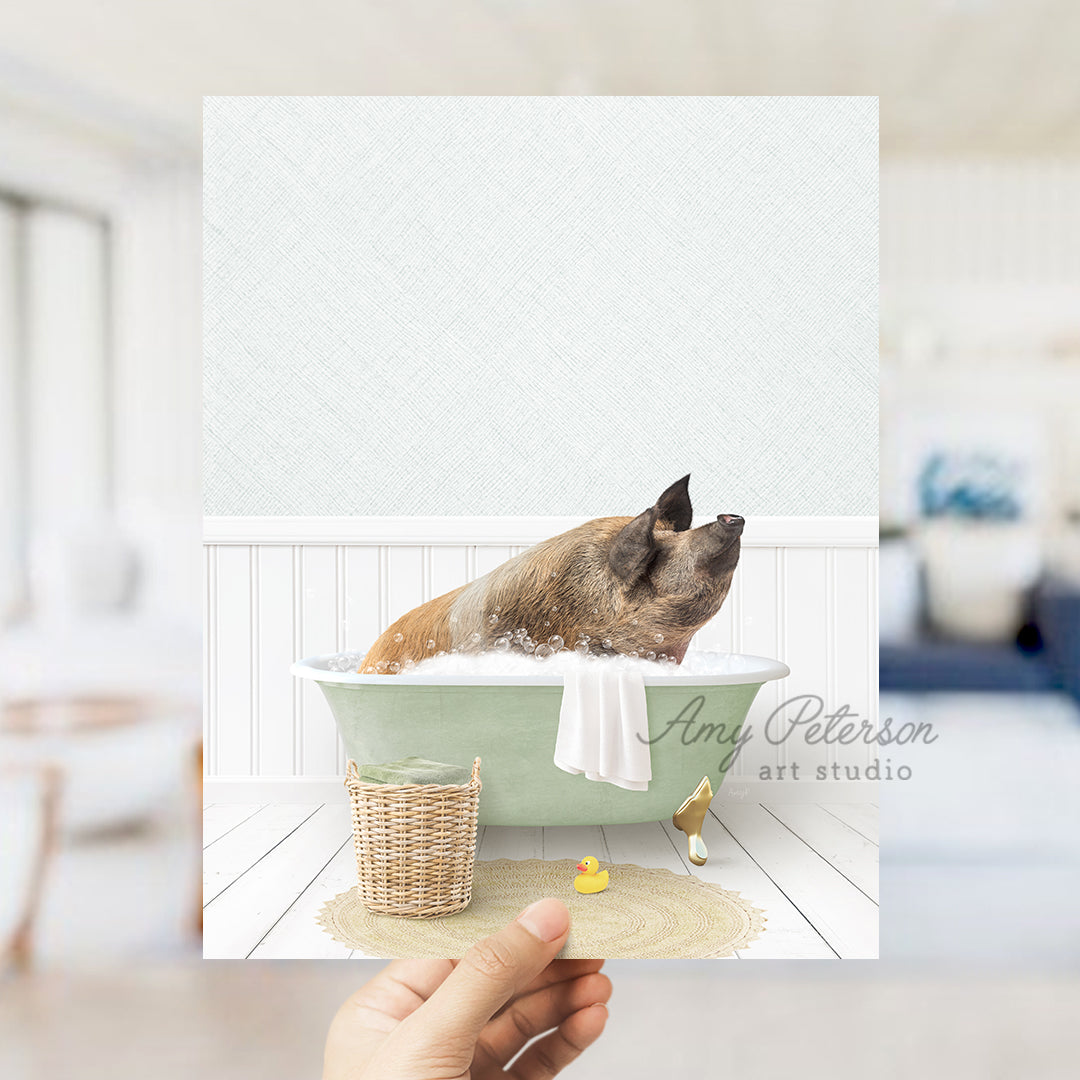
{"x": 331, "y": 789}
{"x": 274, "y": 789}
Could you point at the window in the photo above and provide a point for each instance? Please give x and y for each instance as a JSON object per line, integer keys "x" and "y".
{"x": 56, "y": 407}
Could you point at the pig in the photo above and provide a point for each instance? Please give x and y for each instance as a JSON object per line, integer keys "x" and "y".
{"x": 635, "y": 585}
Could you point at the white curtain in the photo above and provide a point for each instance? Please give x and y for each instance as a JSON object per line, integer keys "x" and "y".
{"x": 11, "y": 518}
{"x": 55, "y": 387}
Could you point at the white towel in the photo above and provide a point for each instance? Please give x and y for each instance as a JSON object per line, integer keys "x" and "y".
{"x": 603, "y": 714}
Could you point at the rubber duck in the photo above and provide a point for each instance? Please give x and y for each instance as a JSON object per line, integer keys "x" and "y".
{"x": 589, "y": 880}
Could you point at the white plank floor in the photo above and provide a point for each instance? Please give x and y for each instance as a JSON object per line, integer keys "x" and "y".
{"x": 813, "y": 868}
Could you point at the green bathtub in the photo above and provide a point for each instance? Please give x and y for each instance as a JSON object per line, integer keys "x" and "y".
{"x": 511, "y": 722}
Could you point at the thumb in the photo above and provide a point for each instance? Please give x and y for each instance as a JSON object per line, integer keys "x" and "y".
{"x": 488, "y": 976}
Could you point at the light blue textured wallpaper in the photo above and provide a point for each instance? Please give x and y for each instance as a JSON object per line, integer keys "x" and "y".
{"x": 540, "y": 305}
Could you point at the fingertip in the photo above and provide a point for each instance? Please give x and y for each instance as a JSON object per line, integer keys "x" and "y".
{"x": 597, "y": 1014}
{"x": 547, "y": 919}
{"x": 586, "y": 1025}
{"x": 592, "y": 988}
{"x": 602, "y": 988}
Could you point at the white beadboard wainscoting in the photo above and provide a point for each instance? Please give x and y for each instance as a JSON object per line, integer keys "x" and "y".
{"x": 280, "y": 588}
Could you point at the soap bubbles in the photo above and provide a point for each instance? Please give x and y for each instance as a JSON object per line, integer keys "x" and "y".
{"x": 489, "y": 633}
{"x": 507, "y": 656}
{"x": 516, "y": 662}
{"x": 346, "y": 661}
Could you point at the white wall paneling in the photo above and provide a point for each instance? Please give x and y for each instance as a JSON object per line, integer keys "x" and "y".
{"x": 984, "y": 222}
{"x": 281, "y": 588}
{"x": 980, "y": 262}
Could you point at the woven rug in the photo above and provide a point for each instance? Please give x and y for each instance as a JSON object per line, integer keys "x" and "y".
{"x": 644, "y": 914}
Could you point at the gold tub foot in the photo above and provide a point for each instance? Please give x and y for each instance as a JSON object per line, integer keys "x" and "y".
{"x": 689, "y": 818}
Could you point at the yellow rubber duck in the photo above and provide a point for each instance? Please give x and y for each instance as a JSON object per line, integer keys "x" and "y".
{"x": 589, "y": 880}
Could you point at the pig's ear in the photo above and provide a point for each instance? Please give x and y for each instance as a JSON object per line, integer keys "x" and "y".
{"x": 634, "y": 548}
{"x": 673, "y": 507}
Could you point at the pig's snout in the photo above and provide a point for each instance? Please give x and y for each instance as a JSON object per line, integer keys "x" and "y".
{"x": 732, "y": 523}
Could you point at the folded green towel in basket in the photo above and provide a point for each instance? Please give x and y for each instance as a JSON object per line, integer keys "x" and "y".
{"x": 415, "y": 770}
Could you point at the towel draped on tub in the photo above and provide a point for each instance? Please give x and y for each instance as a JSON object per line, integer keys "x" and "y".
{"x": 603, "y": 723}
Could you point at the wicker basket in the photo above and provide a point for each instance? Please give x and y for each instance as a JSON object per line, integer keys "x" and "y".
{"x": 415, "y": 844}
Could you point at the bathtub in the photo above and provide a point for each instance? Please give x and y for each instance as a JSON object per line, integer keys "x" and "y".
{"x": 510, "y": 722}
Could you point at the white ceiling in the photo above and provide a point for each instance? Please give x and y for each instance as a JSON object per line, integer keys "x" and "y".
{"x": 954, "y": 76}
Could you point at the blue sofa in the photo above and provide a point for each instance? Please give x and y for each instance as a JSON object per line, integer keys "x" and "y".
{"x": 1045, "y": 657}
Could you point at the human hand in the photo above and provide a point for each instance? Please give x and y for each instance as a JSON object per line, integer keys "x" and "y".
{"x": 448, "y": 1019}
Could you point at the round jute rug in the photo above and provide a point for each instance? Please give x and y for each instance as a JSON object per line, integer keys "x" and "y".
{"x": 644, "y": 914}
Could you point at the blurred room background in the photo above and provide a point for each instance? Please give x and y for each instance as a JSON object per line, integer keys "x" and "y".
{"x": 980, "y": 544}
{"x": 100, "y": 590}
{"x": 99, "y": 499}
